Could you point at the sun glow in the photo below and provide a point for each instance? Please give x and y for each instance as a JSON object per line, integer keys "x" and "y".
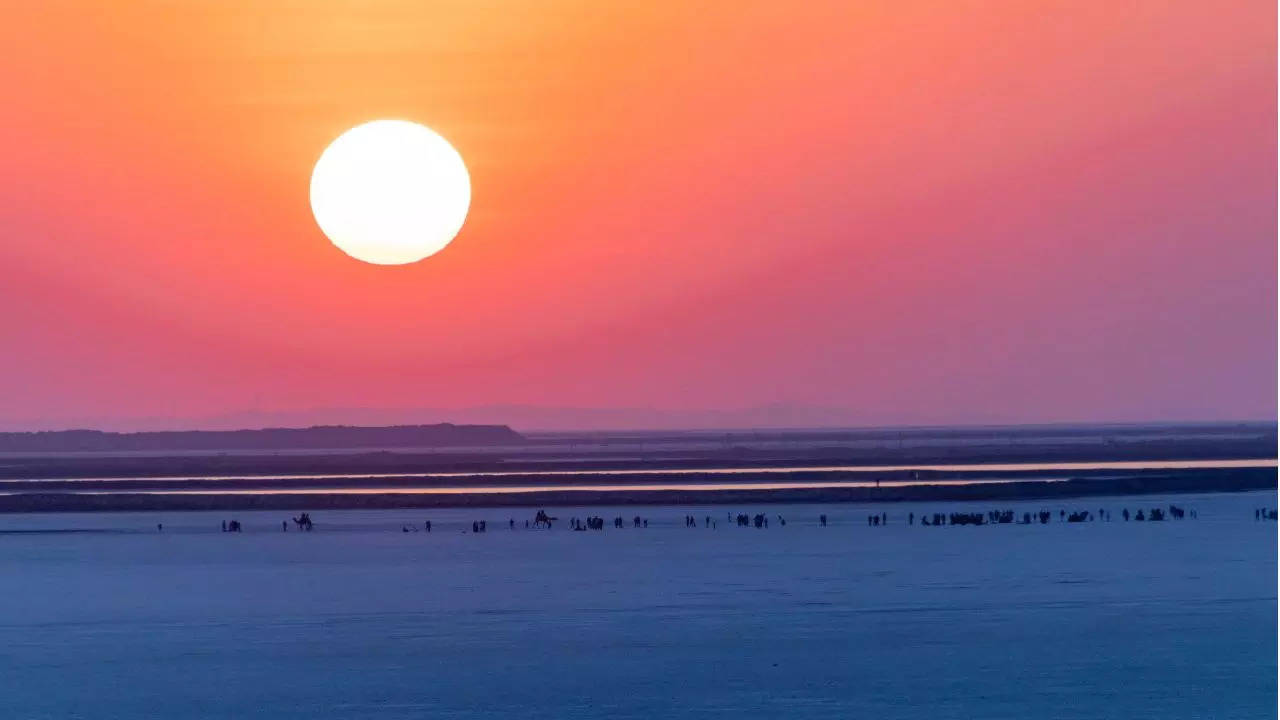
{"x": 390, "y": 192}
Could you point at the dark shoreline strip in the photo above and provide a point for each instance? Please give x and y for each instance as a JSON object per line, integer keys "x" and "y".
{"x": 339, "y": 484}
{"x": 47, "y": 467}
{"x": 1225, "y": 480}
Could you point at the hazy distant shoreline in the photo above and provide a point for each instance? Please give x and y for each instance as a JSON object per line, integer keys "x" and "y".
{"x": 319, "y": 437}
{"x": 1190, "y": 481}
{"x": 673, "y": 467}
{"x": 663, "y": 450}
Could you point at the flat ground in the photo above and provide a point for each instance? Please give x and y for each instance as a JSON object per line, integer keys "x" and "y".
{"x": 359, "y": 619}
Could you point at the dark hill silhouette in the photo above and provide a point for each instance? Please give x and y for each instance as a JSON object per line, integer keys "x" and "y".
{"x": 323, "y": 437}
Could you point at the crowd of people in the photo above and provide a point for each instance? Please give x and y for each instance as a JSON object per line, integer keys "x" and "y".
{"x": 761, "y": 520}
{"x": 1043, "y": 517}
{"x": 990, "y": 517}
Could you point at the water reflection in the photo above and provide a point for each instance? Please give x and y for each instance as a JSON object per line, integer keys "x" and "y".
{"x": 961, "y": 467}
{"x": 503, "y": 489}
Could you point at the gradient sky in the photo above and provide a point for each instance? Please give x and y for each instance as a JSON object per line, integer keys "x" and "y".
{"x": 910, "y": 212}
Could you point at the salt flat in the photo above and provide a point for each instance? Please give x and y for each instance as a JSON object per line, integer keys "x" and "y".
{"x": 358, "y": 619}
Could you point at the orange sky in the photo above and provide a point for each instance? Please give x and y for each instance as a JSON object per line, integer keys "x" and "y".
{"x": 909, "y": 212}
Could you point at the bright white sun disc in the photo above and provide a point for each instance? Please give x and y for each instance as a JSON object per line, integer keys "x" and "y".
{"x": 390, "y": 192}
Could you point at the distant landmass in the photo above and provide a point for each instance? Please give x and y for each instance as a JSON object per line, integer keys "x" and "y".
{"x": 538, "y": 418}
{"x": 321, "y": 437}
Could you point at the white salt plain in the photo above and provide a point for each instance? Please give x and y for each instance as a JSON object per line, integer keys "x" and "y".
{"x": 358, "y": 619}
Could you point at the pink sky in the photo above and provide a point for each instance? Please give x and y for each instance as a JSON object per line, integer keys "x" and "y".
{"x": 898, "y": 212}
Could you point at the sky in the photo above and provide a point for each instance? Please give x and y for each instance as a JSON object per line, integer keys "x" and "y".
{"x": 878, "y": 213}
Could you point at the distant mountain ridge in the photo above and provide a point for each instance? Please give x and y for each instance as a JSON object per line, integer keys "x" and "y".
{"x": 319, "y": 437}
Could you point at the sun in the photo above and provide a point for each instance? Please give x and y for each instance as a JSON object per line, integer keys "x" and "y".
{"x": 390, "y": 192}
